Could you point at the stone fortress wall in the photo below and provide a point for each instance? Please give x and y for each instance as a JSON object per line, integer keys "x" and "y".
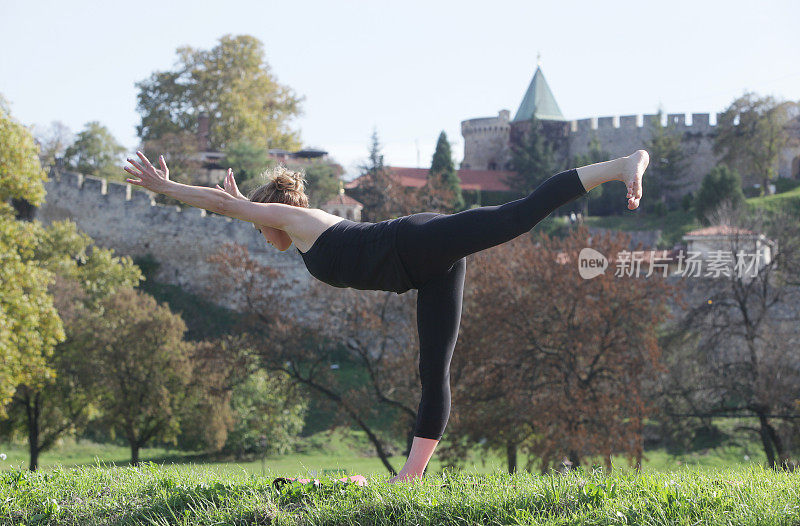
{"x": 619, "y": 135}
{"x": 118, "y": 216}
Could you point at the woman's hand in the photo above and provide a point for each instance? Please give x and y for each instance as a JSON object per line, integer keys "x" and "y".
{"x": 230, "y": 186}
{"x": 148, "y": 176}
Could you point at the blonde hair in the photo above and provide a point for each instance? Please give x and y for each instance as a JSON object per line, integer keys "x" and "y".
{"x": 283, "y": 186}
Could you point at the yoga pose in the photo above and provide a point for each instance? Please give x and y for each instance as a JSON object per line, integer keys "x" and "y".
{"x": 424, "y": 251}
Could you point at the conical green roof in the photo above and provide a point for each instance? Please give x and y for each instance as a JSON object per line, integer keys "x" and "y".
{"x": 539, "y": 100}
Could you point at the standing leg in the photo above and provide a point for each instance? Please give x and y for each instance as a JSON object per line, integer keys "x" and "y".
{"x": 430, "y": 243}
{"x": 438, "y": 320}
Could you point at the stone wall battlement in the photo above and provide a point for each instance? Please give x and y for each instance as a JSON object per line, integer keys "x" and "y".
{"x": 700, "y": 122}
{"x": 127, "y": 219}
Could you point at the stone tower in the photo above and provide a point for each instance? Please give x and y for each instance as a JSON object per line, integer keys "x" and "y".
{"x": 487, "y": 141}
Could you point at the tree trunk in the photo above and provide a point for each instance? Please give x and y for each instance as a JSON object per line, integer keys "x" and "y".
{"x": 783, "y": 457}
{"x": 575, "y": 458}
{"x": 134, "y": 453}
{"x": 766, "y": 440}
{"x": 511, "y": 456}
{"x": 33, "y": 431}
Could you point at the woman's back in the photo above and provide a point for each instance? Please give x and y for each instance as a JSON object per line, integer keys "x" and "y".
{"x": 359, "y": 255}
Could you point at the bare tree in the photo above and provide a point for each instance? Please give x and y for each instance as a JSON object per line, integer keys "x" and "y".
{"x": 738, "y": 338}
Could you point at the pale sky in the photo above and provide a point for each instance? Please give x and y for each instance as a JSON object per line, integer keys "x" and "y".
{"x": 410, "y": 69}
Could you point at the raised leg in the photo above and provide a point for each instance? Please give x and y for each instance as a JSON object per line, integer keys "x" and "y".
{"x": 430, "y": 243}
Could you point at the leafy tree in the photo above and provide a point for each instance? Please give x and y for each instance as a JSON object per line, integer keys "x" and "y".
{"x": 142, "y": 364}
{"x": 96, "y": 152}
{"x": 53, "y": 142}
{"x": 180, "y": 149}
{"x": 372, "y": 332}
{"x": 233, "y": 84}
{"x": 720, "y": 184}
{"x": 51, "y": 407}
{"x": 532, "y": 158}
{"x": 247, "y": 160}
{"x": 751, "y": 133}
{"x": 566, "y": 382}
{"x": 667, "y": 169}
{"x": 269, "y": 413}
{"x": 442, "y": 166}
{"x": 323, "y": 182}
{"x": 29, "y": 324}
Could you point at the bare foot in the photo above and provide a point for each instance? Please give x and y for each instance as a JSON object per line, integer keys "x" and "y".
{"x": 403, "y": 478}
{"x": 632, "y": 176}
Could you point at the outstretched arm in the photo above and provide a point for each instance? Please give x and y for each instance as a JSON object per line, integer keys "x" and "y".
{"x": 276, "y": 215}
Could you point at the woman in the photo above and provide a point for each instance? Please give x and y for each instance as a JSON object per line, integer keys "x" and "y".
{"x": 424, "y": 251}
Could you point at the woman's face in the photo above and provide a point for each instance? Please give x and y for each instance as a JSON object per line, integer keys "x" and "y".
{"x": 277, "y": 238}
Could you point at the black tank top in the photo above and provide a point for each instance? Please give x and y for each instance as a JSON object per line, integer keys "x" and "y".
{"x": 359, "y": 255}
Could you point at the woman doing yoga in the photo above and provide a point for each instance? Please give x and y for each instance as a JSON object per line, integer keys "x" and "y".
{"x": 424, "y": 251}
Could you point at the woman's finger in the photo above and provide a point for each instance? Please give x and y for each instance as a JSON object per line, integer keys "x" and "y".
{"x": 137, "y": 165}
{"x": 131, "y": 181}
{"x": 146, "y": 160}
{"x": 132, "y": 172}
{"x": 163, "y": 163}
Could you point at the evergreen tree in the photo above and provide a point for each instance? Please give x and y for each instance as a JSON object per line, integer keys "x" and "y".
{"x": 720, "y": 184}
{"x": 442, "y": 166}
{"x": 667, "y": 169}
{"x": 532, "y": 159}
{"x": 376, "y": 186}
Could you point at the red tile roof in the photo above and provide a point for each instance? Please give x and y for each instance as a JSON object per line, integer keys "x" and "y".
{"x": 485, "y": 180}
{"x": 719, "y": 230}
{"x": 343, "y": 199}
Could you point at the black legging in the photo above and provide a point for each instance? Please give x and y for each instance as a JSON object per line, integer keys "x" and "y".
{"x": 433, "y": 248}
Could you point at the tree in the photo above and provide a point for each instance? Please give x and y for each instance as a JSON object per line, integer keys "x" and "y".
{"x": 269, "y": 413}
{"x": 372, "y": 334}
{"x": 532, "y": 159}
{"x": 29, "y": 324}
{"x": 720, "y": 184}
{"x": 50, "y": 407}
{"x": 567, "y": 381}
{"x": 751, "y": 133}
{"x": 53, "y": 142}
{"x": 247, "y": 161}
{"x": 180, "y": 150}
{"x": 442, "y": 166}
{"x": 323, "y": 182}
{"x": 142, "y": 364}
{"x": 95, "y": 152}
{"x": 667, "y": 169}
{"x": 733, "y": 348}
{"x": 379, "y": 191}
{"x": 233, "y": 84}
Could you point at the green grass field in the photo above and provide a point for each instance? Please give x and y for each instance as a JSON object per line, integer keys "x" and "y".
{"x": 347, "y": 452}
{"x": 153, "y": 494}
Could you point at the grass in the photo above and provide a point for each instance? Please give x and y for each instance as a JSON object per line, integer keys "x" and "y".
{"x": 348, "y": 452}
{"x": 165, "y": 495}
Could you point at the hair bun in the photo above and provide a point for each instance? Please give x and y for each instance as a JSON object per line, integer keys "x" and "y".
{"x": 288, "y": 180}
